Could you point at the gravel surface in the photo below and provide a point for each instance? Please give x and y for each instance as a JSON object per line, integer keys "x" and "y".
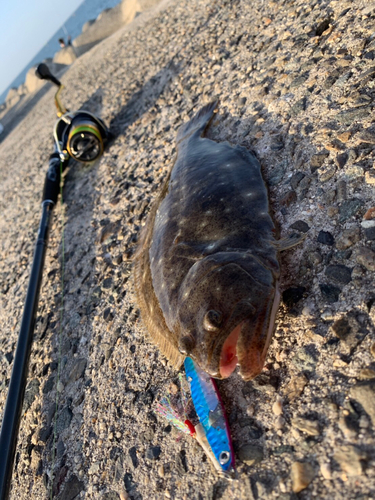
{"x": 296, "y": 82}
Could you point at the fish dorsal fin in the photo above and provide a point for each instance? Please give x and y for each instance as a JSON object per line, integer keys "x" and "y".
{"x": 198, "y": 124}
{"x": 151, "y": 314}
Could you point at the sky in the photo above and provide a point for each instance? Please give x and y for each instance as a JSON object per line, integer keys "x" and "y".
{"x": 25, "y": 26}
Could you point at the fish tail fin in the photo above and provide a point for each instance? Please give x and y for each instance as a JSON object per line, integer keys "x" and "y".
{"x": 198, "y": 124}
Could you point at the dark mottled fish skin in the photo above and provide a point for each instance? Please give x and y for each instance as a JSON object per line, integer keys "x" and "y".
{"x": 207, "y": 261}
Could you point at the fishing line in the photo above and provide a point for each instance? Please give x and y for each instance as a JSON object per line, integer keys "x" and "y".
{"x": 60, "y": 329}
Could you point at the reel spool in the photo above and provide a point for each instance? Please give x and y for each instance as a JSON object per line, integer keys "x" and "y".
{"x": 85, "y": 139}
{"x": 79, "y": 133}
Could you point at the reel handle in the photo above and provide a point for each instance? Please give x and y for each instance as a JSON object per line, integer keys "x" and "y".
{"x": 43, "y": 72}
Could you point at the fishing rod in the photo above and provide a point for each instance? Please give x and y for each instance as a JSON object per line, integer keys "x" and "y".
{"x": 81, "y": 136}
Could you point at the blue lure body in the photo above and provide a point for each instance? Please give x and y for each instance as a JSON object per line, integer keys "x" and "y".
{"x": 211, "y": 414}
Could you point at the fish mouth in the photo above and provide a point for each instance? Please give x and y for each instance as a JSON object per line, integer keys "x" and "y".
{"x": 228, "y": 357}
{"x": 247, "y": 344}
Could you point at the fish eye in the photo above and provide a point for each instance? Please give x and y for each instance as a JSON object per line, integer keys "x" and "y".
{"x": 224, "y": 457}
{"x": 212, "y": 320}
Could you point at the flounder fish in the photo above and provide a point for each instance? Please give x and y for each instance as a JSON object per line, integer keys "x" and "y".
{"x": 206, "y": 270}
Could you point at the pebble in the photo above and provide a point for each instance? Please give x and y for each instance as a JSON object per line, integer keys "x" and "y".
{"x": 315, "y": 257}
{"x": 370, "y": 177}
{"x": 366, "y": 258}
{"x": 284, "y": 448}
{"x": 326, "y": 173}
{"x": 334, "y": 145}
{"x": 350, "y": 458}
{"x": 343, "y": 255}
{"x": 341, "y": 191}
{"x": 35, "y": 458}
{"x": 348, "y": 116}
{"x": 111, "y": 495}
{"x": 276, "y": 176}
{"x": 348, "y": 238}
{"x": 74, "y": 320}
{"x": 153, "y": 453}
{"x": 280, "y": 422}
{"x": 372, "y": 350}
{"x": 109, "y": 230}
{"x": 31, "y": 392}
{"x": 341, "y": 159}
{"x": 370, "y": 233}
{"x": 332, "y": 212}
{"x": 346, "y": 329}
{"x": 349, "y": 208}
{"x": 277, "y": 406}
{"x": 354, "y": 171}
{"x": 8, "y": 357}
{"x": 250, "y": 454}
{"x": 364, "y": 422}
{"x": 94, "y": 468}
{"x": 288, "y": 198}
{"x": 339, "y": 273}
{"x": 330, "y": 293}
{"x": 108, "y": 315}
{"x": 368, "y": 223}
{"x": 107, "y": 283}
{"x": 367, "y": 135}
{"x": 64, "y": 419}
{"x": 350, "y": 331}
{"x": 296, "y": 386}
{"x": 344, "y": 136}
{"x": 364, "y": 394}
{"x": 296, "y": 179}
{"x": 305, "y": 358}
{"x": 302, "y": 473}
{"x": 317, "y": 161}
{"x": 60, "y": 449}
{"x": 326, "y": 471}
{"x": 310, "y": 427}
{"x": 78, "y": 369}
{"x": 50, "y": 384}
{"x": 45, "y": 433}
{"x": 358, "y": 273}
{"x": 328, "y": 196}
{"x": 298, "y": 107}
{"x": 300, "y": 226}
{"x": 370, "y": 214}
{"x": 72, "y": 488}
{"x": 325, "y": 238}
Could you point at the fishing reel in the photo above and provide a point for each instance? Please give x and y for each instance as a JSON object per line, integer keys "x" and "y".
{"x": 77, "y": 134}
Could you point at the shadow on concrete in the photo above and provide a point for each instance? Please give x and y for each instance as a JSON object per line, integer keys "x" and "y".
{"x": 144, "y": 99}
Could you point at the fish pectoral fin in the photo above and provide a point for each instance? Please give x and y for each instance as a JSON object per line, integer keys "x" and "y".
{"x": 289, "y": 242}
{"x": 188, "y": 250}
